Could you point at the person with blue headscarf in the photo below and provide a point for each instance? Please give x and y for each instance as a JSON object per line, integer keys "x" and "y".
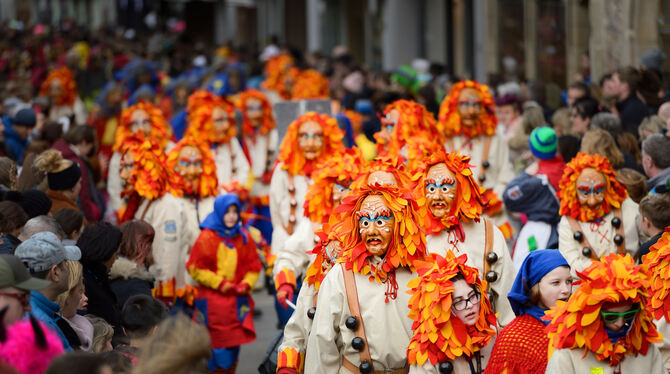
{"x": 522, "y": 346}
{"x": 224, "y": 262}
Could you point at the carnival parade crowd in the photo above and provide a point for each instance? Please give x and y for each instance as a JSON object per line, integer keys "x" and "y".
{"x": 427, "y": 224}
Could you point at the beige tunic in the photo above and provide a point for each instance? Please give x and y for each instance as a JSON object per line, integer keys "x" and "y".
{"x": 166, "y": 215}
{"x": 569, "y": 361}
{"x": 225, "y": 162}
{"x": 293, "y": 255}
{"x": 601, "y": 240}
{"x": 664, "y": 346}
{"x": 473, "y": 246}
{"x": 387, "y": 325}
{"x": 296, "y": 331}
{"x": 262, "y": 159}
{"x": 280, "y": 205}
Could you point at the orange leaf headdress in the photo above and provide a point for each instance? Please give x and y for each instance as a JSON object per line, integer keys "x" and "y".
{"x": 208, "y": 183}
{"x": 615, "y": 192}
{"x": 159, "y": 127}
{"x": 407, "y": 245}
{"x": 200, "y": 107}
{"x": 577, "y": 323}
{"x": 268, "y": 120}
{"x": 68, "y": 86}
{"x": 449, "y": 118}
{"x": 310, "y": 84}
{"x": 413, "y": 120}
{"x": 394, "y": 166}
{"x": 290, "y": 155}
{"x": 468, "y": 203}
{"x": 327, "y": 252}
{"x": 658, "y": 261}
{"x": 341, "y": 168}
{"x": 439, "y": 335}
{"x": 275, "y": 69}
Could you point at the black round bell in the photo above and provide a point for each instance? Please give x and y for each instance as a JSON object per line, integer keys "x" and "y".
{"x": 482, "y": 178}
{"x": 491, "y": 258}
{"x": 351, "y": 323}
{"x": 365, "y": 367}
{"x": 311, "y": 312}
{"x": 358, "y": 343}
{"x": 491, "y": 276}
{"x": 616, "y": 222}
{"x": 618, "y": 239}
{"x": 586, "y": 251}
{"x": 446, "y": 367}
{"x": 486, "y": 164}
{"x": 578, "y": 236}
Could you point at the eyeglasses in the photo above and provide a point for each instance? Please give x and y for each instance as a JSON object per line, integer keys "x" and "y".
{"x": 21, "y": 297}
{"x": 611, "y": 317}
{"x": 463, "y": 303}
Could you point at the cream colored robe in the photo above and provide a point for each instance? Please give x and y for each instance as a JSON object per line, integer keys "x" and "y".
{"x": 664, "y": 346}
{"x": 296, "y": 331}
{"x": 166, "y": 215}
{"x": 293, "y": 255}
{"x": 387, "y": 325}
{"x": 280, "y": 207}
{"x": 224, "y": 165}
{"x": 258, "y": 152}
{"x": 473, "y": 246}
{"x": 569, "y": 361}
{"x": 572, "y": 250}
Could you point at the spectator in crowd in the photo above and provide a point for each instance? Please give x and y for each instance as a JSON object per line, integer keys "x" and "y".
{"x": 34, "y": 203}
{"x": 77, "y": 329}
{"x": 16, "y": 135}
{"x": 631, "y": 109}
{"x": 654, "y": 217}
{"x": 103, "y": 333}
{"x": 79, "y": 363}
{"x": 601, "y": 142}
{"x": 9, "y": 175}
{"x": 28, "y": 346}
{"x": 41, "y": 224}
{"x": 130, "y": 274}
{"x": 560, "y": 120}
{"x": 577, "y": 90}
{"x": 635, "y": 182}
{"x": 44, "y": 255}
{"x": 652, "y": 125}
{"x": 72, "y": 222}
{"x": 99, "y": 245}
{"x": 580, "y": 115}
{"x": 141, "y": 315}
{"x": 656, "y": 160}
{"x": 12, "y": 220}
{"x": 63, "y": 177}
{"x": 15, "y": 287}
{"x": 508, "y": 113}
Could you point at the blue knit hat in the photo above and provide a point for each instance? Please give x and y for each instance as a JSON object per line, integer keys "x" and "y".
{"x": 543, "y": 143}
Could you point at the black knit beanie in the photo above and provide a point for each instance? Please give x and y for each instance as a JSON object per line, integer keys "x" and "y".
{"x": 34, "y": 202}
{"x": 64, "y": 179}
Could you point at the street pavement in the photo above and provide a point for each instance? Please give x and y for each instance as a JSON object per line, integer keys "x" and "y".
{"x": 251, "y": 355}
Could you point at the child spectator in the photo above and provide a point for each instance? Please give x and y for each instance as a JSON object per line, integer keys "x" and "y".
{"x": 140, "y": 316}
{"x": 655, "y": 217}
{"x": 72, "y": 223}
{"x": 102, "y": 334}
{"x": 79, "y": 363}
{"x": 12, "y": 220}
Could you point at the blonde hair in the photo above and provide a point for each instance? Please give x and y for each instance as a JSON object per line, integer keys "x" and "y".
{"x": 600, "y": 142}
{"x": 75, "y": 273}
{"x": 102, "y": 333}
{"x": 653, "y": 124}
{"x": 560, "y": 120}
{"x": 179, "y": 346}
{"x": 52, "y": 161}
{"x": 635, "y": 182}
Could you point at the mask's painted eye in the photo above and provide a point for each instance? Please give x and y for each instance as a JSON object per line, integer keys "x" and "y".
{"x": 365, "y": 223}
{"x": 445, "y": 189}
{"x": 431, "y": 189}
{"x": 380, "y": 222}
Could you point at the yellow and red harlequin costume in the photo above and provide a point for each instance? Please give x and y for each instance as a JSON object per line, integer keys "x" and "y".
{"x": 67, "y": 104}
{"x": 290, "y": 180}
{"x": 440, "y": 336}
{"x": 231, "y": 163}
{"x": 260, "y": 145}
{"x": 310, "y": 84}
{"x": 414, "y": 120}
{"x": 463, "y": 230}
{"x": 153, "y": 196}
{"x": 598, "y": 227}
{"x": 658, "y": 261}
{"x": 577, "y": 331}
{"x": 381, "y": 289}
{"x": 159, "y": 134}
{"x": 488, "y": 151}
{"x": 224, "y": 263}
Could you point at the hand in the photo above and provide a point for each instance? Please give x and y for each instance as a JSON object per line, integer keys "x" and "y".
{"x": 285, "y": 292}
{"x": 242, "y": 288}
{"x": 226, "y": 286}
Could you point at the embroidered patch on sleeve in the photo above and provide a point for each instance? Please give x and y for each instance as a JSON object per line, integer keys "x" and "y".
{"x": 170, "y": 227}
{"x": 514, "y": 193}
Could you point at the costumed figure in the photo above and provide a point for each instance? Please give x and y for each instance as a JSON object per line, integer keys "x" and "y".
{"x": 260, "y": 142}
{"x": 453, "y": 318}
{"x": 598, "y": 217}
{"x": 105, "y": 117}
{"x": 141, "y": 118}
{"x": 467, "y": 119}
{"x": 310, "y": 84}
{"x": 224, "y": 263}
{"x": 451, "y": 213}
{"x": 276, "y": 69}
{"x": 212, "y": 118}
{"x": 383, "y": 170}
{"x": 309, "y": 138}
{"x": 658, "y": 261}
{"x": 61, "y": 89}
{"x": 606, "y": 326}
{"x": 361, "y": 323}
{"x": 153, "y": 195}
{"x": 522, "y": 346}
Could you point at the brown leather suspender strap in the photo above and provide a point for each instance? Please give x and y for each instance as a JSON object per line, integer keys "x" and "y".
{"x": 144, "y": 213}
{"x": 488, "y": 247}
{"x": 355, "y": 310}
{"x": 621, "y": 248}
{"x": 574, "y": 226}
{"x": 485, "y": 153}
{"x": 293, "y": 203}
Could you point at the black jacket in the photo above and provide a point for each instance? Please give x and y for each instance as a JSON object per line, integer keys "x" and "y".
{"x": 127, "y": 279}
{"x": 101, "y": 299}
{"x": 632, "y": 111}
